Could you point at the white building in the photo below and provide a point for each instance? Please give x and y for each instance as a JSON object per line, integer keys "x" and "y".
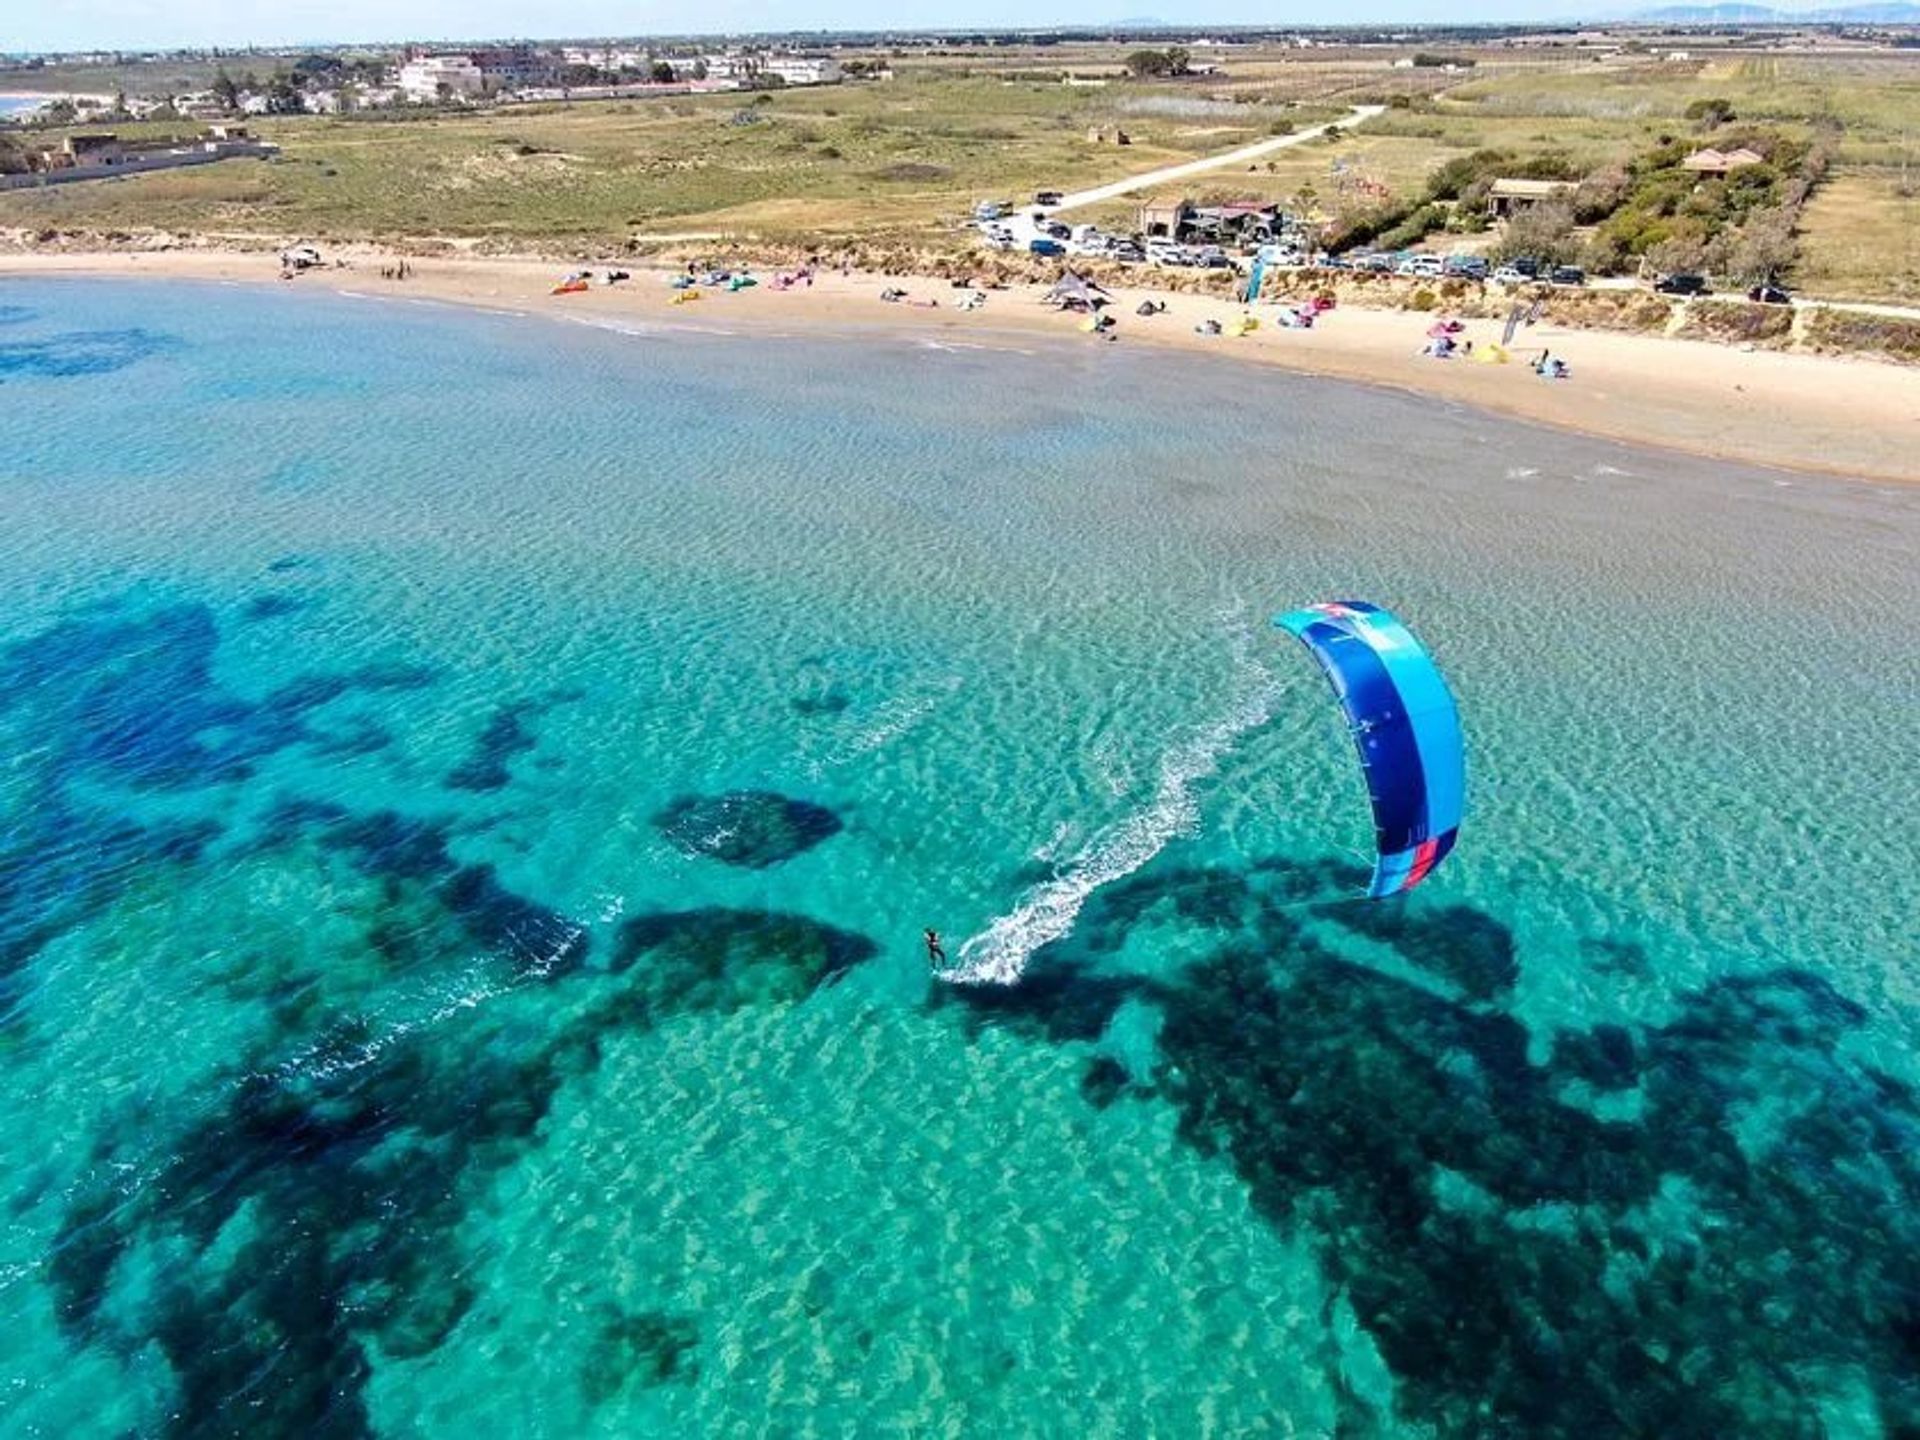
{"x": 433, "y": 77}
{"x": 802, "y": 69}
{"x": 731, "y": 66}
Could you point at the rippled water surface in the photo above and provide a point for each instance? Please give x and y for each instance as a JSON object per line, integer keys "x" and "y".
{"x": 473, "y": 789}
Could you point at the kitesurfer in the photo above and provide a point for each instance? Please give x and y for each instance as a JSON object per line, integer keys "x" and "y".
{"x": 936, "y": 953}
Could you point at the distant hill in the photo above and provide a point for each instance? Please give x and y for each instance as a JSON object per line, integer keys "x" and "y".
{"x": 1896, "y": 13}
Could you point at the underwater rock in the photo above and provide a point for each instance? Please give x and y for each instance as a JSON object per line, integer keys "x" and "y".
{"x": 82, "y": 352}
{"x": 652, "y": 1347}
{"x": 753, "y": 829}
{"x": 721, "y": 959}
{"x": 505, "y": 736}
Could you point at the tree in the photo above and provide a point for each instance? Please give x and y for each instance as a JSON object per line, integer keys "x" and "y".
{"x": 662, "y": 73}
{"x": 1683, "y": 254}
{"x": 61, "y": 112}
{"x": 1710, "y": 114}
{"x": 283, "y": 96}
{"x": 1177, "y": 58}
{"x": 1544, "y": 230}
{"x": 226, "y": 94}
{"x": 1762, "y": 249}
{"x": 1143, "y": 64}
{"x": 1600, "y": 194}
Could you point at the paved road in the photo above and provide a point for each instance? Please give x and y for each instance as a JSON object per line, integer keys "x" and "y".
{"x": 1174, "y": 173}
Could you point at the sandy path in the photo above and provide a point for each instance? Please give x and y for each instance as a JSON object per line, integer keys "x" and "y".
{"x": 1172, "y": 173}
{"x": 1851, "y": 417}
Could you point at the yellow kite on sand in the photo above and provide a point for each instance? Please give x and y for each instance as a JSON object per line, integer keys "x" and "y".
{"x": 681, "y": 297}
{"x": 1245, "y": 325}
{"x": 1491, "y": 354}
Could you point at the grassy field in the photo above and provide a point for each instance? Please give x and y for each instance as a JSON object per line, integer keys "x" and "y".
{"x": 903, "y": 161}
{"x": 898, "y": 157}
{"x": 1862, "y": 238}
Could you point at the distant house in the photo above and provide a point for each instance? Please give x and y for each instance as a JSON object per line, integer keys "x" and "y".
{"x": 1163, "y": 216}
{"x": 509, "y": 67}
{"x": 1508, "y": 198}
{"x": 427, "y": 78}
{"x": 803, "y": 69}
{"x": 85, "y": 151}
{"x": 1718, "y": 162}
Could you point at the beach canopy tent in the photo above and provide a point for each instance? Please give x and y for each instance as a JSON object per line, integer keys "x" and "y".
{"x": 1076, "y": 292}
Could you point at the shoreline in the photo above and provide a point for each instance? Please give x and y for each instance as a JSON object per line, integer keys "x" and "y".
{"x": 1842, "y": 416}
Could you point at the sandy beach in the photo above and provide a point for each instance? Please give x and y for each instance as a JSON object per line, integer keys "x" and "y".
{"x": 1850, "y": 417}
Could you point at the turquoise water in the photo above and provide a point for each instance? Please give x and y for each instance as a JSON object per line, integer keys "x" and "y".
{"x": 19, "y": 104}
{"x": 475, "y": 786}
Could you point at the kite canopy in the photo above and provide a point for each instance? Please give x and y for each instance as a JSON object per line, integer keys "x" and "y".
{"x": 1406, "y": 728}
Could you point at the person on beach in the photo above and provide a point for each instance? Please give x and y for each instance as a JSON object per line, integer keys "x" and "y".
{"x": 936, "y": 953}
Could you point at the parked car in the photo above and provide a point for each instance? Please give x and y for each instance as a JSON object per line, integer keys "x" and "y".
{"x": 1511, "y": 275}
{"x": 1047, "y": 197}
{"x": 1045, "y": 246}
{"x": 1683, "y": 285}
{"x": 1213, "y": 258}
{"x": 1528, "y": 265}
{"x": 1769, "y": 295}
{"x": 1471, "y": 267}
{"x": 1567, "y": 275}
{"x": 987, "y": 210}
{"x": 1058, "y": 231}
{"x": 1126, "y": 252}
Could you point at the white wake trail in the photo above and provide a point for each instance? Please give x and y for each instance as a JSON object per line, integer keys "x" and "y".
{"x": 998, "y": 955}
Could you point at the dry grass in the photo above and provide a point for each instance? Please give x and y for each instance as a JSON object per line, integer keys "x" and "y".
{"x": 1860, "y": 238}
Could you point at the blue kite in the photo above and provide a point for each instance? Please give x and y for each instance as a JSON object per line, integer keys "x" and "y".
{"x": 1406, "y": 727}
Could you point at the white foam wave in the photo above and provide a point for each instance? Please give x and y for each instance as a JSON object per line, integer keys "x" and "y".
{"x": 643, "y": 328}
{"x": 956, "y": 347}
{"x": 888, "y": 723}
{"x": 998, "y": 955}
{"x": 469, "y": 991}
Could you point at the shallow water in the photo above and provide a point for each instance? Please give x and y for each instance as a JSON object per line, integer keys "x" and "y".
{"x": 475, "y": 788}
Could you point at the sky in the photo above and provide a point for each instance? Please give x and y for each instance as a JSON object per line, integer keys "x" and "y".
{"x": 40, "y": 25}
